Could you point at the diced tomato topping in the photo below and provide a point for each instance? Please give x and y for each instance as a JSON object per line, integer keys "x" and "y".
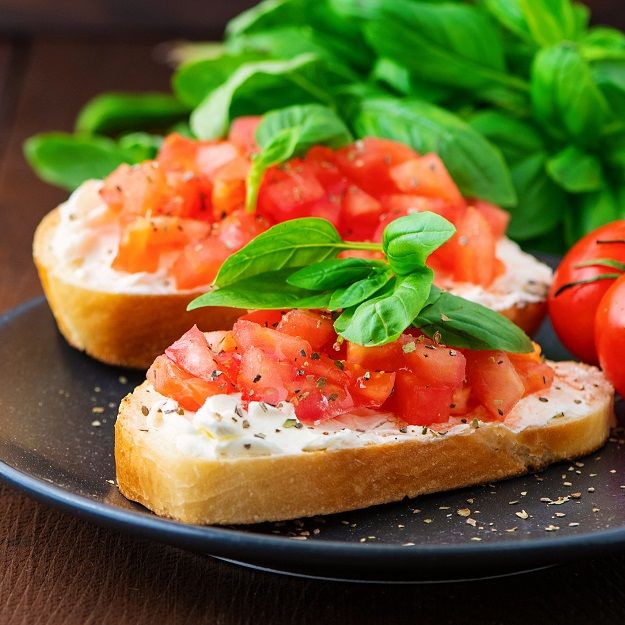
{"x": 243, "y": 133}
{"x": 199, "y": 262}
{"x": 190, "y": 392}
{"x": 192, "y": 353}
{"x": 272, "y": 357}
{"x": 432, "y": 363}
{"x": 316, "y": 328}
{"x": 261, "y": 378}
{"x": 383, "y": 358}
{"x": 359, "y": 188}
{"x": 368, "y": 163}
{"x": 494, "y": 381}
{"x": 420, "y": 404}
{"x": 471, "y": 252}
{"x": 495, "y": 216}
{"x": 276, "y": 344}
{"x": 427, "y": 176}
{"x": 266, "y": 318}
{"x": 371, "y": 389}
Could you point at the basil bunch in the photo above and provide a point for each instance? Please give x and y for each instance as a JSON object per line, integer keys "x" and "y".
{"x": 295, "y": 264}
{"x": 522, "y": 99}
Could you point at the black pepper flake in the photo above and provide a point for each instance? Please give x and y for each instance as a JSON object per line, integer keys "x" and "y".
{"x": 216, "y": 373}
{"x": 403, "y": 430}
{"x": 260, "y": 435}
{"x": 339, "y": 365}
{"x": 315, "y": 356}
{"x": 302, "y": 353}
{"x": 257, "y": 378}
{"x": 500, "y": 412}
{"x": 247, "y": 445}
{"x": 424, "y": 431}
{"x": 245, "y": 424}
{"x": 543, "y": 399}
{"x": 333, "y": 396}
{"x": 145, "y": 411}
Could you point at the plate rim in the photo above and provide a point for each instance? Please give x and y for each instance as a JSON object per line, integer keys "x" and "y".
{"x": 227, "y": 541}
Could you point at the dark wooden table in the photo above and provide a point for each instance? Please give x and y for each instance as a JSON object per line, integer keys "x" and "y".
{"x": 55, "y": 568}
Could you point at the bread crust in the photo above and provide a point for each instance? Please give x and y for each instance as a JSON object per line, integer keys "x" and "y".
{"x": 124, "y": 329}
{"x": 131, "y": 330}
{"x": 270, "y": 488}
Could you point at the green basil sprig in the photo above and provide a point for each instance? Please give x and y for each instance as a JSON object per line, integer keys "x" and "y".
{"x": 291, "y": 131}
{"x": 295, "y": 264}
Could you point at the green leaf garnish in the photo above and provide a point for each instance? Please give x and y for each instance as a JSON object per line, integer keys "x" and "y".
{"x": 294, "y": 265}
{"x": 291, "y": 131}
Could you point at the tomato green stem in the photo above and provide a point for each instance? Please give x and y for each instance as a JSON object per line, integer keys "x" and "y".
{"x": 603, "y": 276}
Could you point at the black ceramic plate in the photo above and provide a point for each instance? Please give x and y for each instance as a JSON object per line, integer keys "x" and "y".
{"x": 57, "y": 411}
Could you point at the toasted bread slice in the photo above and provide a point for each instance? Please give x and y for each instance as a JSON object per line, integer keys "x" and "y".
{"x": 125, "y": 329}
{"x": 130, "y": 329}
{"x": 158, "y": 468}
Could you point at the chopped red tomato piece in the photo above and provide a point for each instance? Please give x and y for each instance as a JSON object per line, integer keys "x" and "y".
{"x": 276, "y": 344}
{"x": 367, "y": 163}
{"x": 190, "y": 392}
{"x": 211, "y": 157}
{"x": 229, "y": 187}
{"x": 199, "y": 262}
{"x": 192, "y": 352}
{"x": 262, "y": 378}
{"x": 371, "y": 389}
{"x": 495, "y": 216}
{"x": 240, "y": 227}
{"x": 135, "y": 189}
{"x": 266, "y": 318}
{"x": 432, "y": 363}
{"x": 383, "y": 358}
{"x": 178, "y": 153}
{"x": 420, "y": 404}
{"x": 314, "y": 327}
{"x": 427, "y": 176}
{"x": 494, "y": 380}
{"x": 243, "y": 133}
{"x": 313, "y": 404}
{"x": 360, "y": 214}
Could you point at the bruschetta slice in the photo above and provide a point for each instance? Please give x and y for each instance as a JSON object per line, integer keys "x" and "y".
{"x": 266, "y": 422}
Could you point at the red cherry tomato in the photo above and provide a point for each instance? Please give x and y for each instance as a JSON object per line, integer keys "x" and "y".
{"x": 610, "y": 334}
{"x": 573, "y": 310}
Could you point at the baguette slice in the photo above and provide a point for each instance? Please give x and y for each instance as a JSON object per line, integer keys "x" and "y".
{"x": 131, "y": 329}
{"x": 158, "y": 472}
{"x": 124, "y": 329}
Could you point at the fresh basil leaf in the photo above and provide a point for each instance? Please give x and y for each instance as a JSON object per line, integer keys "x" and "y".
{"x": 610, "y": 78}
{"x": 454, "y": 45}
{"x": 290, "y": 244}
{"x": 344, "y": 319}
{"x": 194, "y": 80}
{"x": 287, "y": 132}
{"x": 576, "y": 171}
{"x": 359, "y": 291}
{"x": 565, "y": 97}
{"x": 510, "y": 15}
{"x": 408, "y": 241}
{"x": 549, "y": 21}
{"x": 542, "y": 204}
{"x": 514, "y": 137}
{"x": 333, "y": 273}
{"x": 384, "y": 318}
{"x": 68, "y": 160}
{"x": 110, "y": 113}
{"x": 405, "y": 82}
{"x": 268, "y": 291}
{"x": 141, "y": 146}
{"x": 590, "y": 211}
{"x": 289, "y": 41}
{"x": 602, "y": 43}
{"x": 465, "y": 324}
{"x": 257, "y": 87}
{"x": 476, "y": 166}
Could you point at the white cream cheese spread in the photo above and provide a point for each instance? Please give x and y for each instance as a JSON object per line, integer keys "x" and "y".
{"x": 222, "y": 428}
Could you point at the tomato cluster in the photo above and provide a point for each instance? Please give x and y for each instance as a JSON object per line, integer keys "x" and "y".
{"x": 587, "y": 300}
{"x": 271, "y": 356}
{"x": 190, "y": 202}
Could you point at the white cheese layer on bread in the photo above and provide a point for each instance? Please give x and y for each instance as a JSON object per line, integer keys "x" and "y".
{"x": 87, "y": 237}
{"x": 222, "y": 428}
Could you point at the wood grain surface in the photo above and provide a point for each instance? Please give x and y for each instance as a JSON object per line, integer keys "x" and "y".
{"x": 55, "y": 568}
